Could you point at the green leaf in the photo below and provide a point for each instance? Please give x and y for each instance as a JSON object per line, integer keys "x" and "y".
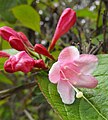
{"x": 5, "y": 45}
{"x": 86, "y": 13}
{"x": 11, "y": 51}
{"x": 5, "y": 13}
{"x": 2, "y": 61}
{"x": 81, "y": 109}
{"x": 4, "y": 79}
{"x": 29, "y": 1}
{"x": 27, "y": 16}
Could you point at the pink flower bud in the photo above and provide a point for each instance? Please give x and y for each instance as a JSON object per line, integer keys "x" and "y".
{"x": 24, "y": 39}
{"x": 4, "y": 54}
{"x": 19, "y": 62}
{"x": 6, "y": 32}
{"x": 40, "y": 64}
{"x": 66, "y": 21}
{"x": 16, "y": 43}
{"x": 40, "y": 49}
{"x": 17, "y": 40}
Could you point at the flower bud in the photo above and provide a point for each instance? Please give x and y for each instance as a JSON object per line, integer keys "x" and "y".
{"x": 19, "y": 62}
{"x": 40, "y": 64}
{"x": 4, "y": 54}
{"x": 16, "y": 43}
{"x": 17, "y": 40}
{"x": 6, "y": 32}
{"x": 40, "y": 49}
{"x": 25, "y": 40}
{"x": 66, "y": 21}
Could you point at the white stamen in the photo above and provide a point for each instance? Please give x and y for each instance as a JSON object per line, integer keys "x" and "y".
{"x": 64, "y": 76}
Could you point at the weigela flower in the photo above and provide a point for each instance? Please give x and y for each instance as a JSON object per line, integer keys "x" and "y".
{"x": 66, "y": 21}
{"x": 73, "y": 69}
{"x": 40, "y": 49}
{"x": 6, "y": 32}
{"x": 17, "y": 40}
{"x": 40, "y": 64}
{"x": 19, "y": 62}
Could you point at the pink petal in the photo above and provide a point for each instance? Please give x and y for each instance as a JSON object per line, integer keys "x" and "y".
{"x": 24, "y": 39}
{"x": 86, "y": 81}
{"x": 16, "y": 43}
{"x": 68, "y": 54}
{"x": 87, "y": 63}
{"x": 66, "y": 92}
{"x": 69, "y": 72}
{"x": 6, "y": 32}
{"x": 54, "y": 73}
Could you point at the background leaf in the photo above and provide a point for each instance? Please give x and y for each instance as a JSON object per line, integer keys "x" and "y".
{"x": 27, "y": 16}
{"x": 80, "y": 109}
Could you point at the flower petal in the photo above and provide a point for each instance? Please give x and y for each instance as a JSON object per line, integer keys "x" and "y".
{"x": 54, "y": 73}
{"x": 86, "y": 81}
{"x": 6, "y": 32}
{"x": 69, "y": 72}
{"x": 68, "y": 54}
{"x": 87, "y": 63}
{"x": 66, "y": 92}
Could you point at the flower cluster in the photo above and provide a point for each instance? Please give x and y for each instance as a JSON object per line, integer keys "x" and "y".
{"x": 71, "y": 71}
{"x": 23, "y": 60}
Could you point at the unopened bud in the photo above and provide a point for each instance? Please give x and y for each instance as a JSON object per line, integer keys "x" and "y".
{"x": 66, "y": 21}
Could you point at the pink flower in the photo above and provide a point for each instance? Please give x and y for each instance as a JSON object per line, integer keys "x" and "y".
{"x": 17, "y": 40}
{"x": 75, "y": 70}
{"x": 16, "y": 43}
{"x": 40, "y": 64}
{"x": 6, "y": 32}
{"x": 40, "y": 49}
{"x": 66, "y": 21}
{"x": 19, "y": 62}
{"x": 24, "y": 39}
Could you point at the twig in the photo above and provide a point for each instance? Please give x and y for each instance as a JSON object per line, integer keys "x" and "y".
{"x": 6, "y": 93}
{"x": 99, "y": 13}
{"x": 105, "y": 43}
{"x": 28, "y": 115}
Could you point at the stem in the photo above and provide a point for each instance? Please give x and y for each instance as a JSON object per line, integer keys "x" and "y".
{"x": 78, "y": 91}
{"x": 28, "y": 115}
{"x": 6, "y": 93}
{"x": 95, "y": 108}
{"x": 98, "y": 17}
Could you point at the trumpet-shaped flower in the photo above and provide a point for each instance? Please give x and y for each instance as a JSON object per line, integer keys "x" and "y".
{"x": 73, "y": 70}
